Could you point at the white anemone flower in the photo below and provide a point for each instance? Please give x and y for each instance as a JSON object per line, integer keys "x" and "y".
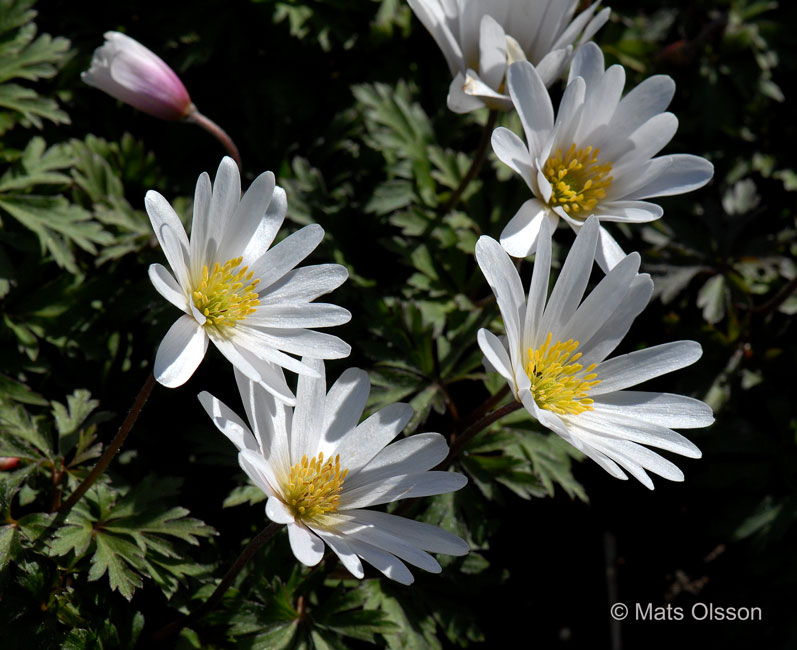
{"x": 480, "y": 38}
{"x": 237, "y": 292}
{"x": 554, "y": 358}
{"x": 321, "y": 468}
{"x": 596, "y": 156}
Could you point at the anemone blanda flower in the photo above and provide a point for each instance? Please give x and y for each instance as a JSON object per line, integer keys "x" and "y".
{"x": 596, "y": 157}
{"x": 554, "y": 358}
{"x": 480, "y": 38}
{"x": 237, "y": 292}
{"x": 128, "y": 71}
{"x": 321, "y": 468}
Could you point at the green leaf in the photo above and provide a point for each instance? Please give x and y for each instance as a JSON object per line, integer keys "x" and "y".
{"x": 69, "y": 418}
{"x": 115, "y": 555}
{"x": 8, "y": 536}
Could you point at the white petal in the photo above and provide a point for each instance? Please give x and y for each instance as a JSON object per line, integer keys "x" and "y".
{"x": 277, "y": 261}
{"x": 432, "y": 17}
{"x": 267, "y": 229}
{"x": 259, "y": 470}
{"x": 305, "y": 544}
{"x": 492, "y": 52}
{"x": 424, "y": 536}
{"x": 401, "y": 487}
{"x": 572, "y": 281}
{"x": 635, "y": 367}
{"x": 167, "y": 286}
{"x": 251, "y": 340}
{"x": 532, "y": 102}
{"x": 306, "y": 343}
{"x": 475, "y": 87}
{"x": 180, "y": 352}
{"x": 458, "y": 100}
{"x": 587, "y": 64}
{"x": 225, "y": 198}
{"x": 278, "y": 512}
{"x": 649, "y": 98}
{"x": 394, "y": 545}
{"x": 343, "y": 550}
{"x": 371, "y": 436}
{"x": 416, "y": 453}
{"x": 663, "y": 409}
{"x": 629, "y": 211}
{"x": 512, "y": 151}
{"x": 684, "y": 174}
{"x": 553, "y": 64}
{"x": 642, "y": 144}
{"x": 200, "y": 225}
{"x": 228, "y": 422}
{"x": 308, "y": 416}
{"x": 608, "y": 253}
{"x": 170, "y": 233}
{"x": 388, "y": 564}
{"x": 246, "y": 219}
{"x": 298, "y": 315}
{"x": 538, "y": 288}
{"x": 519, "y": 236}
{"x": 345, "y": 403}
{"x": 495, "y": 353}
{"x": 306, "y": 284}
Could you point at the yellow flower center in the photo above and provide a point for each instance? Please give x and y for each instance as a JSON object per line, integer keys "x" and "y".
{"x": 314, "y": 487}
{"x": 226, "y": 294}
{"x": 559, "y": 384}
{"x": 578, "y": 180}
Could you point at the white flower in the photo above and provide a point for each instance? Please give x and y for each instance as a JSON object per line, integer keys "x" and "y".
{"x": 131, "y": 73}
{"x": 321, "y": 469}
{"x": 596, "y": 158}
{"x": 554, "y": 358}
{"x": 237, "y": 292}
{"x": 480, "y": 38}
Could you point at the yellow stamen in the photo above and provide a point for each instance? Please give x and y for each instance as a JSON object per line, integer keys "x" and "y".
{"x": 559, "y": 384}
{"x": 227, "y": 294}
{"x": 313, "y": 488}
{"x": 578, "y": 180}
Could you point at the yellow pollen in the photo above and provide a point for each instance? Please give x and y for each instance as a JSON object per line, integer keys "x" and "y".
{"x": 226, "y": 294}
{"x": 578, "y": 180}
{"x": 314, "y": 486}
{"x": 559, "y": 384}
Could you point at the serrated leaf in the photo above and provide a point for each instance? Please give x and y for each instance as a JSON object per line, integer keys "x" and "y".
{"x": 31, "y": 106}
{"x": 115, "y": 555}
{"x": 250, "y": 494}
{"x": 711, "y": 299}
{"x": 72, "y": 538}
{"x": 8, "y": 536}
{"x": 69, "y": 418}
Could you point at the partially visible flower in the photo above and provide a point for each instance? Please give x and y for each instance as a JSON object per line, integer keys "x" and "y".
{"x": 554, "y": 358}
{"x": 480, "y": 38}
{"x": 596, "y": 157}
{"x": 321, "y": 467}
{"x": 237, "y": 292}
{"x": 128, "y": 71}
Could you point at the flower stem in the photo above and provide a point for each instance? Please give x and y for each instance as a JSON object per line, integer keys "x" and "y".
{"x": 110, "y": 450}
{"x": 458, "y": 443}
{"x": 216, "y": 131}
{"x": 476, "y": 163}
{"x": 251, "y": 548}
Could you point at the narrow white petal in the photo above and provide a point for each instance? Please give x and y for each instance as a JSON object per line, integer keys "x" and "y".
{"x": 180, "y": 352}
{"x": 386, "y": 541}
{"x": 308, "y": 415}
{"x": 649, "y": 98}
{"x": 277, "y": 261}
{"x": 532, "y": 102}
{"x": 684, "y": 174}
{"x": 228, "y": 422}
{"x": 495, "y": 354}
{"x": 345, "y": 403}
{"x": 425, "y": 536}
{"x": 538, "y": 288}
{"x": 305, "y": 544}
{"x": 298, "y": 315}
{"x": 416, "y": 453}
{"x": 553, "y": 64}
{"x": 629, "y": 211}
{"x": 401, "y": 487}
{"x": 167, "y": 286}
{"x": 259, "y": 470}
{"x": 635, "y": 367}
{"x": 247, "y": 217}
{"x": 200, "y": 224}
{"x": 278, "y": 512}
{"x": 225, "y": 198}
{"x": 303, "y": 342}
{"x": 519, "y": 236}
{"x": 587, "y": 64}
{"x": 306, "y": 283}
{"x": 343, "y": 550}
{"x": 267, "y": 229}
{"x": 251, "y": 340}
{"x": 492, "y": 52}
{"x": 608, "y": 254}
{"x": 663, "y": 409}
{"x": 458, "y": 100}
{"x": 370, "y": 437}
{"x": 388, "y": 564}
{"x": 171, "y": 235}
{"x": 512, "y": 151}
{"x": 572, "y": 281}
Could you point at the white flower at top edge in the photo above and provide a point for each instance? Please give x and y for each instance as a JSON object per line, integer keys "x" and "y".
{"x": 322, "y": 468}
{"x": 130, "y": 72}
{"x": 554, "y": 358}
{"x": 596, "y": 156}
{"x": 480, "y": 38}
{"x": 237, "y": 292}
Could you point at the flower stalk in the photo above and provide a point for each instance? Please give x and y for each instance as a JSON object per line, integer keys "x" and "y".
{"x": 195, "y": 117}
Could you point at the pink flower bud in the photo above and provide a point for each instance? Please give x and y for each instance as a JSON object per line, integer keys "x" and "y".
{"x": 128, "y": 71}
{"x": 8, "y": 463}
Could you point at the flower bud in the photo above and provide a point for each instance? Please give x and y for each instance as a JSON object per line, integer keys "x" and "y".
{"x": 128, "y": 71}
{"x": 8, "y": 463}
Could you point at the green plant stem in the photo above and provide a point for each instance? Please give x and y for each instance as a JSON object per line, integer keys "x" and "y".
{"x": 458, "y": 443}
{"x": 195, "y": 117}
{"x": 476, "y": 163}
{"x": 251, "y": 548}
{"x": 111, "y": 449}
